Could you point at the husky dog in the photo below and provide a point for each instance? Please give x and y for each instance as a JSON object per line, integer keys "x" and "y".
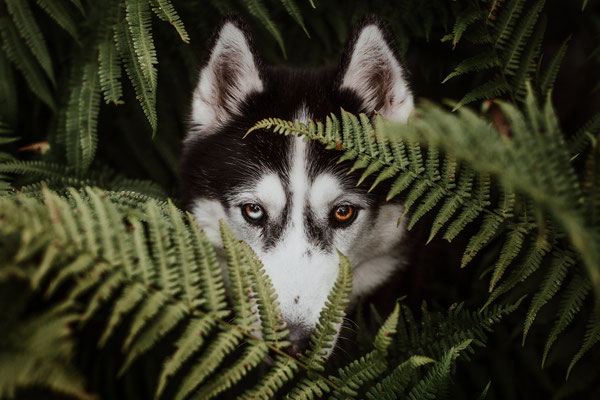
{"x": 290, "y": 200}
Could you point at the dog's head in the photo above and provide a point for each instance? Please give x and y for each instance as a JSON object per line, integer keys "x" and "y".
{"x": 290, "y": 200}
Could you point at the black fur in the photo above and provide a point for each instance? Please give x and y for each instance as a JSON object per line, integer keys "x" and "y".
{"x": 220, "y": 162}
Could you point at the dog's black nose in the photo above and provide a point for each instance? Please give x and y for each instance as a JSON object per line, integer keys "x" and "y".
{"x": 299, "y": 336}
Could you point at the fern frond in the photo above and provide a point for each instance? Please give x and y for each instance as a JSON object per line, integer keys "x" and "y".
{"x": 282, "y": 371}
{"x": 292, "y": 8}
{"x": 109, "y": 71}
{"x": 330, "y": 317}
{"x": 191, "y": 341}
{"x": 239, "y": 279}
{"x": 549, "y": 76}
{"x": 258, "y": 9}
{"x": 584, "y": 136}
{"x": 30, "y": 31}
{"x": 139, "y": 20}
{"x": 273, "y": 327}
{"x": 214, "y": 354}
{"x": 60, "y": 13}
{"x": 146, "y": 94}
{"x": 164, "y": 10}
{"x": 395, "y": 383}
{"x": 20, "y": 56}
{"x": 495, "y": 87}
{"x": 428, "y": 386}
{"x": 552, "y": 282}
{"x": 570, "y": 304}
{"x": 592, "y": 336}
{"x": 253, "y": 355}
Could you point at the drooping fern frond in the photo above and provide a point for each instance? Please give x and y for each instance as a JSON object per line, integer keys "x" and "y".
{"x": 510, "y": 35}
{"x": 60, "y": 13}
{"x": 29, "y": 30}
{"x": 139, "y": 16}
{"x": 18, "y": 53}
{"x": 257, "y": 9}
{"x": 164, "y": 10}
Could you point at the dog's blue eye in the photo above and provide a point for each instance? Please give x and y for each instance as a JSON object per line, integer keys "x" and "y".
{"x": 253, "y": 212}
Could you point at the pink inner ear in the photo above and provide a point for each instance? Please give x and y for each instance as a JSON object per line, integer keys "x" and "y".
{"x": 230, "y": 75}
{"x": 375, "y": 74}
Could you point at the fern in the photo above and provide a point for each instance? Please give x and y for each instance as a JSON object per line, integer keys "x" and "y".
{"x": 87, "y": 254}
{"x": 531, "y": 165}
{"x": 510, "y": 34}
{"x": 258, "y": 10}
{"x": 19, "y": 54}
{"x": 60, "y": 13}
{"x": 30, "y": 32}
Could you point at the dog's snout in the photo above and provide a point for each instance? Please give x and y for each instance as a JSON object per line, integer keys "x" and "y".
{"x": 299, "y": 337}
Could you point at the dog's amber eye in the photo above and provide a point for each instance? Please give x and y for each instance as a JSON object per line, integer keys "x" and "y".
{"x": 253, "y": 212}
{"x": 343, "y": 213}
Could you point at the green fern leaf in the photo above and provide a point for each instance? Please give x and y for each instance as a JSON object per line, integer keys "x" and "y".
{"x": 506, "y": 22}
{"x": 569, "y": 307}
{"x": 463, "y": 21}
{"x": 211, "y": 280}
{"x": 550, "y": 285}
{"x": 20, "y": 56}
{"x": 549, "y": 77}
{"x": 156, "y": 328}
{"x": 109, "y": 70}
{"x": 427, "y": 387}
{"x": 190, "y": 271}
{"x": 164, "y": 10}
{"x": 354, "y": 376}
{"x": 273, "y": 327}
{"x": 187, "y": 346}
{"x": 510, "y": 250}
{"x": 518, "y": 39}
{"x": 139, "y": 20}
{"x": 486, "y": 232}
{"x": 213, "y": 356}
{"x": 146, "y": 94}
{"x": 592, "y": 336}
{"x": 239, "y": 279}
{"x": 493, "y": 88}
{"x": 395, "y": 383}
{"x": 584, "y": 136}
{"x": 479, "y": 62}
{"x": 30, "y": 31}
{"x": 529, "y": 60}
{"x": 282, "y": 371}
{"x": 258, "y": 9}
{"x": 60, "y": 13}
{"x": 252, "y": 356}
{"x": 323, "y": 335}
{"x": 129, "y": 299}
{"x": 292, "y": 9}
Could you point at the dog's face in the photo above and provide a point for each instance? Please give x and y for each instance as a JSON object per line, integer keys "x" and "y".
{"x": 289, "y": 199}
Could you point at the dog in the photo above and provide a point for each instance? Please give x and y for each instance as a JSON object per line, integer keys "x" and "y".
{"x": 288, "y": 199}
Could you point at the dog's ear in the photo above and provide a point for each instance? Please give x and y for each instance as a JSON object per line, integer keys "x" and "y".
{"x": 370, "y": 68}
{"x": 232, "y": 72}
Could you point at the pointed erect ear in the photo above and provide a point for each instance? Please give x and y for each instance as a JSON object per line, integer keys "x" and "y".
{"x": 230, "y": 75}
{"x": 370, "y": 68}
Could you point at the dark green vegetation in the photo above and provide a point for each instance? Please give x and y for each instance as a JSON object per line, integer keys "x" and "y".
{"x": 114, "y": 292}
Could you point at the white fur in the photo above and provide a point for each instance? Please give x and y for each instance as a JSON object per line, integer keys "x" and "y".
{"x": 371, "y": 54}
{"x": 301, "y": 273}
{"x": 210, "y": 106}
